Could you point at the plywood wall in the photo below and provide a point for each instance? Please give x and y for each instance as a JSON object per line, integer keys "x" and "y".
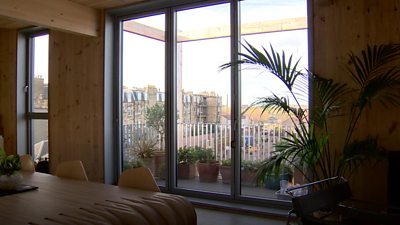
{"x": 76, "y": 101}
{"x": 341, "y": 26}
{"x": 8, "y": 79}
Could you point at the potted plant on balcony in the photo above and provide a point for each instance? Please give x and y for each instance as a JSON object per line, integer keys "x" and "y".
{"x": 248, "y": 173}
{"x": 207, "y": 166}
{"x": 309, "y": 148}
{"x": 9, "y": 167}
{"x": 186, "y": 162}
{"x": 225, "y": 171}
{"x": 273, "y": 179}
{"x": 144, "y": 149}
{"x": 135, "y": 163}
{"x": 155, "y": 120}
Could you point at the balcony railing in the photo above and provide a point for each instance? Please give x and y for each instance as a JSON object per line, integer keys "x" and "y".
{"x": 257, "y": 140}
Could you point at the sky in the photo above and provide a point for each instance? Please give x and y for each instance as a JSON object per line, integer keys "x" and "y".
{"x": 41, "y": 57}
{"x": 143, "y": 58}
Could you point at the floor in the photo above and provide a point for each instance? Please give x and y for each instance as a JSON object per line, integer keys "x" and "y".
{"x": 216, "y": 217}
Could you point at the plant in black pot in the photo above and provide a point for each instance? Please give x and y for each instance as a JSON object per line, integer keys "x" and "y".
{"x": 186, "y": 162}
{"x": 207, "y": 165}
{"x": 272, "y": 179}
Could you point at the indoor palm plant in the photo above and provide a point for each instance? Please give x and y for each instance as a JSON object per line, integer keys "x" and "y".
{"x": 309, "y": 148}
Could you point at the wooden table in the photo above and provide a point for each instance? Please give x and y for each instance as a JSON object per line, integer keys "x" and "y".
{"x": 67, "y": 201}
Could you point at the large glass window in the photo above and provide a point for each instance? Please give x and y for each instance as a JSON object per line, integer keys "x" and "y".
{"x": 201, "y": 110}
{"x": 203, "y": 92}
{"x": 143, "y": 94}
{"x": 38, "y": 96}
{"x": 283, "y": 25}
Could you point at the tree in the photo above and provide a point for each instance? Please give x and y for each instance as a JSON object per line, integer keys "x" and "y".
{"x": 155, "y": 118}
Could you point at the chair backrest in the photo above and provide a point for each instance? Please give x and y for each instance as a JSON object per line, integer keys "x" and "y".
{"x": 139, "y": 178}
{"x": 72, "y": 169}
{"x": 27, "y": 163}
{"x": 322, "y": 199}
{"x": 43, "y": 166}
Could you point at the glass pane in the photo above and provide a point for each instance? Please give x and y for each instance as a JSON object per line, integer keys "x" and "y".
{"x": 283, "y": 24}
{"x": 40, "y": 139}
{"x": 143, "y": 94}
{"x": 40, "y": 60}
{"x": 203, "y": 97}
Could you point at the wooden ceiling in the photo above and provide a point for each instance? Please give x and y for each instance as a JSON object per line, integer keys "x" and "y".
{"x": 78, "y": 16}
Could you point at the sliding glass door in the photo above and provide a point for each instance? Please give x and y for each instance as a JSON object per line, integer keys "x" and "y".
{"x": 187, "y": 120}
{"x": 203, "y": 97}
{"x": 143, "y": 94}
{"x": 282, "y": 25}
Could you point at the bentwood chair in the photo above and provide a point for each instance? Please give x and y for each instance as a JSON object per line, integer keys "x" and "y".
{"x": 329, "y": 202}
{"x": 27, "y": 163}
{"x": 72, "y": 169}
{"x": 139, "y": 178}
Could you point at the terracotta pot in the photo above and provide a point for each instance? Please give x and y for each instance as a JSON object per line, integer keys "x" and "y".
{"x": 208, "y": 172}
{"x": 150, "y": 163}
{"x": 186, "y": 171}
{"x": 225, "y": 174}
{"x": 159, "y": 163}
{"x": 248, "y": 178}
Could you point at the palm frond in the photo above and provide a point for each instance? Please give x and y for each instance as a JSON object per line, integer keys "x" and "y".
{"x": 372, "y": 61}
{"x": 384, "y": 88}
{"x": 357, "y": 152}
{"x": 329, "y": 98}
{"x": 273, "y": 103}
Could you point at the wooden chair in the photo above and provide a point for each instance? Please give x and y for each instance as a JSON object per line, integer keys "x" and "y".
{"x": 139, "y": 178}
{"x": 27, "y": 163}
{"x": 72, "y": 169}
{"x": 323, "y": 205}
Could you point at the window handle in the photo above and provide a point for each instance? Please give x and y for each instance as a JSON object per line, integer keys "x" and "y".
{"x": 26, "y": 88}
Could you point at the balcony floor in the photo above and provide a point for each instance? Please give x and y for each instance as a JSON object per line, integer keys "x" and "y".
{"x": 219, "y": 187}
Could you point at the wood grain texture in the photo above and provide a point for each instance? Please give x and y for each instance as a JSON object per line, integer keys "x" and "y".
{"x": 8, "y": 79}
{"x": 344, "y": 26}
{"x": 67, "y": 201}
{"x": 76, "y": 101}
{"x": 107, "y": 4}
{"x": 56, "y": 14}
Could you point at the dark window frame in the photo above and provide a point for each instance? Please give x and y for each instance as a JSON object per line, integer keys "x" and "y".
{"x": 170, "y": 9}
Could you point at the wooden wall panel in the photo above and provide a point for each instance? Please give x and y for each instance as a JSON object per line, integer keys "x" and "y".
{"x": 341, "y": 26}
{"x": 76, "y": 101}
{"x": 8, "y": 79}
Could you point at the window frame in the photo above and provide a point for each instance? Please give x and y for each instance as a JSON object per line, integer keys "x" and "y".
{"x": 170, "y": 9}
{"x": 30, "y": 115}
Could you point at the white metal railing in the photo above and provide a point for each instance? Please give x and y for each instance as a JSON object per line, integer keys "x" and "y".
{"x": 257, "y": 141}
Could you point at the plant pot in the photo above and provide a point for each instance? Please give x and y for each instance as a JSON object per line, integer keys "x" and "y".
{"x": 150, "y": 163}
{"x": 225, "y": 174}
{"x": 159, "y": 163}
{"x": 208, "y": 172}
{"x": 10, "y": 182}
{"x": 186, "y": 171}
{"x": 248, "y": 177}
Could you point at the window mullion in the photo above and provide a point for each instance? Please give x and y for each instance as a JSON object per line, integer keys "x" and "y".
{"x": 235, "y": 100}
